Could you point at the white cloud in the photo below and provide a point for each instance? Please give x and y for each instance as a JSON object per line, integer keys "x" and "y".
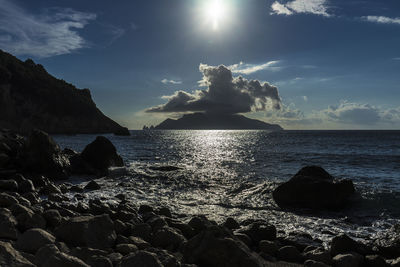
{"x": 305, "y": 98}
{"x": 396, "y": 58}
{"x": 382, "y": 19}
{"x": 242, "y": 68}
{"x": 166, "y": 81}
{"x": 42, "y": 35}
{"x": 317, "y": 7}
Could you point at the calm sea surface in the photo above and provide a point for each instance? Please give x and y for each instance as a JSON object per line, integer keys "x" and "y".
{"x": 233, "y": 173}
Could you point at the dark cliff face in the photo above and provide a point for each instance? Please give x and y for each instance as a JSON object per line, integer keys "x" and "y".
{"x": 32, "y": 98}
{"x": 203, "y": 121}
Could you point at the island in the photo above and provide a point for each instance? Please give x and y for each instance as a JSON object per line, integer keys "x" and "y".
{"x": 212, "y": 121}
{"x": 32, "y": 98}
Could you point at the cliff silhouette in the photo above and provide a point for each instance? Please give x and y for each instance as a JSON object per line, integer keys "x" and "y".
{"x": 32, "y": 98}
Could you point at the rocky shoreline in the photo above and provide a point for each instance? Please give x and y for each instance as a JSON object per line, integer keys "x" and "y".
{"x": 40, "y": 225}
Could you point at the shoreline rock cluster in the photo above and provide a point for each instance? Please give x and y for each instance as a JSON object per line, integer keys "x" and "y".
{"x": 41, "y": 226}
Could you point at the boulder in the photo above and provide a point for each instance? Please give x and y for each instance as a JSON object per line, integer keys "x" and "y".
{"x": 216, "y": 246}
{"x": 343, "y": 244}
{"x": 168, "y": 238}
{"x": 44, "y": 156}
{"x": 313, "y": 263}
{"x": 348, "y": 260}
{"x": 92, "y": 185}
{"x": 7, "y": 200}
{"x": 268, "y": 247}
{"x": 312, "y": 187}
{"x": 319, "y": 255}
{"x": 8, "y": 185}
{"x": 7, "y": 225}
{"x": 231, "y": 223}
{"x": 99, "y": 261}
{"x": 126, "y": 249}
{"x": 11, "y": 257}
{"x": 290, "y": 254}
{"x": 52, "y": 217}
{"x": 85, "y": 253}
{"x": 90, "y": 231}
{"x": 259, "y": 230}
{"x": 50, "y": 256}
{"x": 33, "y": 239}
{"x": 26, "y": 186}
{"x": 100, "y": 155}
{"x": 375, "y": 261}
{"x": 142, "y": 258}
{"x": 27, "y": 218}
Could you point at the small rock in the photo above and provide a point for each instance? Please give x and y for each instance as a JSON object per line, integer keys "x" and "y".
{"x": 268, "y": 247}
{"x": 142, "y": 258}
{"x": 33, "y": 239}
{"x": 99, "y": 261}
{"x": 145, "y": 209}
{"x": 312, "y": 263}
{"x": 165, "y": 212}
{"x": 7, "y": 200}
{"x": 290, "y": 253}
{"x": 26, "y": 186}
{"x": 11, "y": 257}
{"x": 50, "y": 256}
{"x": 126, "y": 249}
{"x": 52, "y": 217}
{"x": 231, "y": 223}
{"x": 375, "y": 261}
{"x": 92, "y": 185}
{"x": 168, "y": 238}
{"x": 319, "y": 255}
{"x": 8, "y": 185}
{"x": 7, "y": 225}
{"x": 342, "y": 244}
{"x": 258, "y": 231}
{"x": 140, "y": 243}
{"x": 347, "y": 260}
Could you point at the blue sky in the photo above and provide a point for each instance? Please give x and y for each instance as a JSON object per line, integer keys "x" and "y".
{"x": 334, "y": 64}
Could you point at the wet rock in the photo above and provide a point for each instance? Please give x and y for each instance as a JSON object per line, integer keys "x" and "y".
{"x": 231, "y": 223}
{"x": 11, "y": 257}
{"x": 33, "y": 239}
{"x": 343, "y": 244}
{"x": 26, "y": 186}
{"x": 300, "y": 240}
{"x": 165, "y": 212}
{"x": 7, "y": 200}
{"x": 245, "y": 239}
{"x": 347, "y": 260}
{"x": 27, "y": 218}
{"x": 199, "y": 223}
{"x": 32, "y": 197}
{"x": 101, "y": 154}
{"x": 258, "y": 231}
{"x": 144, "y": 209}
{"x": 50, "y": 256}
{"x": 44, "y": 156}
{"x": 395, "y": 262}
{"x": 57, "y": 198}
{"x": 375, "y": 261}
{"x": 268, "y": 247}
{"x": 85, "y": 253}
{"x": 142, "y": 258}
{"x": 140, "y": 243}
{"x": 156, "y": 222}
{"x": 290, "y": 253}
{"x": 8, "y": 185}
{"x": 126, "y": 249}
{"x": 7, "y": 225}
{"x": 312, "y": 187}
{"x": 313, "y": 263}
{"x": 319, "y": 255}
{"x": 92, "y": 185}
{"x": 168, "y": 238}
{"x": 215, "y": 246}
{"x": 91, "y": 231}
{"x": 52, "y": 217}
{"x": 115, "y": 258}
{"x": 99, "y": 261}
{"x": 50, "y": 188}
{"x": 143, "y": 230}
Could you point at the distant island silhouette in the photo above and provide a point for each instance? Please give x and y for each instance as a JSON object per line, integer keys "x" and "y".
{"x": 212, "y": 121}
{"x": 32, "y": 98}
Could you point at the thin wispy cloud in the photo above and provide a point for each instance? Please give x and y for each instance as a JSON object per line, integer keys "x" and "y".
{"x": 54, "y": 32}
{"x": 316, "y": 7}
{"x": 166, "y": 81}
{"x": 396, "y": 58}
{"x": 242, "y": 68}
{"x": 381, "y": 19}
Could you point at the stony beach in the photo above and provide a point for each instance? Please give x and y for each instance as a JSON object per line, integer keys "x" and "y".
{"x": 41, "y": 225}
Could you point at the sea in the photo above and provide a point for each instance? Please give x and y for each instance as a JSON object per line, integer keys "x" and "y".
{"x": 232, "y": 173}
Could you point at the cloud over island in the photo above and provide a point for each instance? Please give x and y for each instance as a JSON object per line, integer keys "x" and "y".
{"x": 225, "y": 94}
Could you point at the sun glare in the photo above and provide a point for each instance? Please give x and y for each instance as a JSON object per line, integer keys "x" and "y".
{"x": 215, "y": 12}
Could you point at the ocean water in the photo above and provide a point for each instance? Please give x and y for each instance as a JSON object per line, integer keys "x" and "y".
{"x": 233, "y": 173}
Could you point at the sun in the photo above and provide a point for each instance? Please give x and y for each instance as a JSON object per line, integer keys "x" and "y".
{"x": 215, "y": 12}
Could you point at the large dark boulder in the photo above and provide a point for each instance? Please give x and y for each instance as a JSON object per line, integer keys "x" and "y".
{"x": 215, "y": 246}
{"x": 97, "y": 157}
{"x": 89, "y": 231}
{"x": 43, "y": 155}
{"x": 312, "y": 187}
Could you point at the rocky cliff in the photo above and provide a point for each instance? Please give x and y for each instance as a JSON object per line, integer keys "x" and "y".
{"x": 32, "y": 98}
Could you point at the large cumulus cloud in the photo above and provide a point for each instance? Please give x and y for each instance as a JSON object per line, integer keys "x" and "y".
{"x": 225, "y": 94}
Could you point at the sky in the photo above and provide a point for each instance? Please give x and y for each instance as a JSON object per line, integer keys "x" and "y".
{"x": 304, "y": 64}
